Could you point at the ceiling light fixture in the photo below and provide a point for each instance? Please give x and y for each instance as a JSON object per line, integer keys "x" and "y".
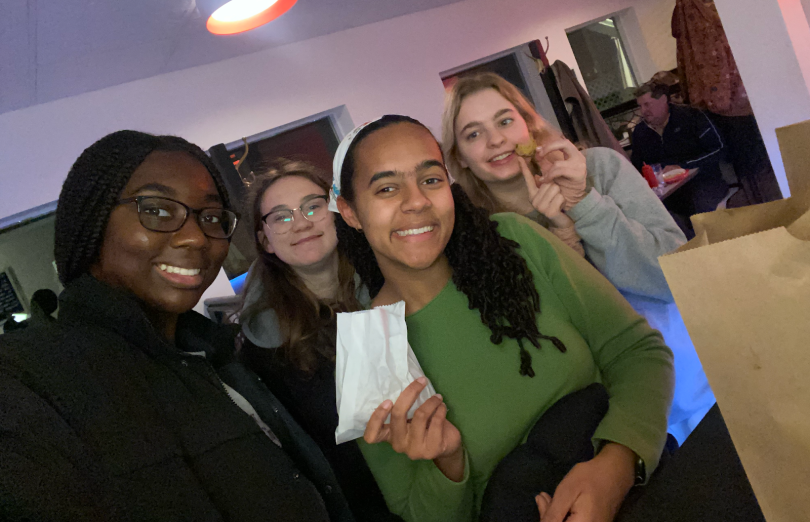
{"x": 238, "y": 16}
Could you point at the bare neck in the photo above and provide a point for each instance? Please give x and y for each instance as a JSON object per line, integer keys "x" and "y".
{"x": 512, "y": 194}
{"x": 321, "y": 278}
{"x": 416, "y": 287}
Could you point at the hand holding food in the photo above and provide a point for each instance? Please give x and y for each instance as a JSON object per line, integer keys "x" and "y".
{"x": 546, "y": 198}
{"x": 569, "y": 173}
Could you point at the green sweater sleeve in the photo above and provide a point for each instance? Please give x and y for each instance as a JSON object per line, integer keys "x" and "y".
{"x": 411, "y": 487}
{"x": 624, "y": 226}
{"x": 635, "y": 365}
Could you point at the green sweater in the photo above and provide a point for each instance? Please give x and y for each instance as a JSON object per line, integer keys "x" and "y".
{"x": 494, "y": 407}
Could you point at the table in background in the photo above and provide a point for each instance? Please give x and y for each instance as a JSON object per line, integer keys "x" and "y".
{"x": 672, "y": 187}
{"x": 704, "y": 481}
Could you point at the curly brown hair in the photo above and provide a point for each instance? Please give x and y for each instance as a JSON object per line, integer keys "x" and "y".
{"x": 486, "y": 266}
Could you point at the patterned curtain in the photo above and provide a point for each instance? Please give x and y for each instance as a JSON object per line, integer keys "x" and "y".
{"x": 707, "y": 67}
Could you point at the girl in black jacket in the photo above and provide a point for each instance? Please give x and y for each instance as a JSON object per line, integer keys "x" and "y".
{"x": 127, "y": 407}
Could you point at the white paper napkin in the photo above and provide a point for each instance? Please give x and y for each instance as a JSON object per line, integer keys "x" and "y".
{"x": 374, "y": 362}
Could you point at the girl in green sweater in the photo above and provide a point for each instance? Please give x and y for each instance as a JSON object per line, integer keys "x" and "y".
{"x": 473, "y": 287}
{"x": 595, "y": 201}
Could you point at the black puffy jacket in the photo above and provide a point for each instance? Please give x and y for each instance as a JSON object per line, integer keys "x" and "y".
{"x": 101, "y": 419}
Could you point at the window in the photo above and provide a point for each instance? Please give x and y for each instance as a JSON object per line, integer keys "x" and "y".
{"x": 314, "y": 142}
{"x": 506, "y": 67}
{"x": 603, "y": 61}
{"x": 26, "y": 259}
{"x": 517, "y": 66}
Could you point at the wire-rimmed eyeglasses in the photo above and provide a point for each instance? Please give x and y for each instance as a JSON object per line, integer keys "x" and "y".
{"x": 160, "y": 214}
{"x": 281, "y": 221}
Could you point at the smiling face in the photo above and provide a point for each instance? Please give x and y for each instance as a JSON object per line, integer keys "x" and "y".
{"x": 167, "y": 271}
{"x": 306, "y": 243}
{"x": 402, "y": 203}
{"x": 487, "y": 130}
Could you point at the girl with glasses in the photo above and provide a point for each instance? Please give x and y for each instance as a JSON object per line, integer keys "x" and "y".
{"x": 131, "y": 406}
{"x": 291, "y": 295}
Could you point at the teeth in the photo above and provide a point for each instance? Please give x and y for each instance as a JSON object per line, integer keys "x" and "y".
{"x": 414, "y": 231}
{"x": 177, "y": 270}
{"x": 501, "y": 157}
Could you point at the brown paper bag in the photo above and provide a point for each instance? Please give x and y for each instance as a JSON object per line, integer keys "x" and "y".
{"x": 743, "y": 289}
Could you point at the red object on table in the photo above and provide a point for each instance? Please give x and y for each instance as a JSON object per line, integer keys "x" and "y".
{"x": 649, "y": 175}
{"x": 675, "y": 179}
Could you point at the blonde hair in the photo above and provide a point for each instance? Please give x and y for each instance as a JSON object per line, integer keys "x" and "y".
{"x": 540, "y": 130}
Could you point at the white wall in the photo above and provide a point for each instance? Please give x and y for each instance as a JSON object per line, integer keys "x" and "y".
{"x": 635, "y": 43}
{"x": 387, "y": 67}
{"x": 390, "y": 66}
{"x": 655, "y": 19}
{"x": 770, "y": 70}
{"x": 799, "y": 32}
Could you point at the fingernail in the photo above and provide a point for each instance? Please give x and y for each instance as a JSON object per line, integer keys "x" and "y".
{"x": 387, "y": 405}
{"x": 439, "y": 395}
{"x": 422, "y": 380}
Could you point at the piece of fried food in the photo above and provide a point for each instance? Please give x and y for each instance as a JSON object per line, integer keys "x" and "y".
{"x": 526, "y": 150}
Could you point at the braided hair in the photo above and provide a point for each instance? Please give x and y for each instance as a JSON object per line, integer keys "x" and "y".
{"x": 487, "y": 267}
{"x": 93, "y": 187}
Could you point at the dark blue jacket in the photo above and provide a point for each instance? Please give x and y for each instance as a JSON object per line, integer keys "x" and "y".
{"x": 690, "y": 140}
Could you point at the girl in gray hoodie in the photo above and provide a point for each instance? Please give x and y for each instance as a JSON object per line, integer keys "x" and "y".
{"x": 595, "y": 201}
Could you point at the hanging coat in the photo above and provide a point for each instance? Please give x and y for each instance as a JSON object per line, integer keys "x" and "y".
{"x": 588, "y": 122}
{"x": 709, "y": 73}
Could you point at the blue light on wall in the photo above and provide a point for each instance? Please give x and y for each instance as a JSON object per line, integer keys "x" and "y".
{"x": 238, "y": 282}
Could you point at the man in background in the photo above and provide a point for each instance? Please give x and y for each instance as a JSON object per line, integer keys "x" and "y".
{"x": 677, "y": 136}
{"x": 44, "y": 303}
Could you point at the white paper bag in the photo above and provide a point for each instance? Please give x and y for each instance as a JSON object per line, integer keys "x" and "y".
{"x": 374, "y": 362}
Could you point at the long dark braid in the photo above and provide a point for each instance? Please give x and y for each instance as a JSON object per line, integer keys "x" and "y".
{"x": 487, "y": 267}
{"x": 94, "y": 186}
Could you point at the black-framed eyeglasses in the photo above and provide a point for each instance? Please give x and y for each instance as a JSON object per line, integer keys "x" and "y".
{"x": 160, "y": 214}
{"x": 313, "y": 210}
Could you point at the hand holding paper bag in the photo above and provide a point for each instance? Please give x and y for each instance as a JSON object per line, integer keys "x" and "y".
{"x": 374, "y": 363}
{"x": 429, "y": 436}
{"x": 377, "y": 375}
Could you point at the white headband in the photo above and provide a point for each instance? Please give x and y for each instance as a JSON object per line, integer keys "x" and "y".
{"x": 340, "y": 157}
{"x": 337, "y": 163}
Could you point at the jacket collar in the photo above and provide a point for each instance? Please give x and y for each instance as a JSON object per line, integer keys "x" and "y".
{"x": 87, "y": 301}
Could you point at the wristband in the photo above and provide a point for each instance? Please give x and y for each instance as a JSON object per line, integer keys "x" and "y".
{"x": 641, "y": 472}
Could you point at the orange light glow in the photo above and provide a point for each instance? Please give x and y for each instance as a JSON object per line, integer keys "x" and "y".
{"x": 225, "y": 20}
